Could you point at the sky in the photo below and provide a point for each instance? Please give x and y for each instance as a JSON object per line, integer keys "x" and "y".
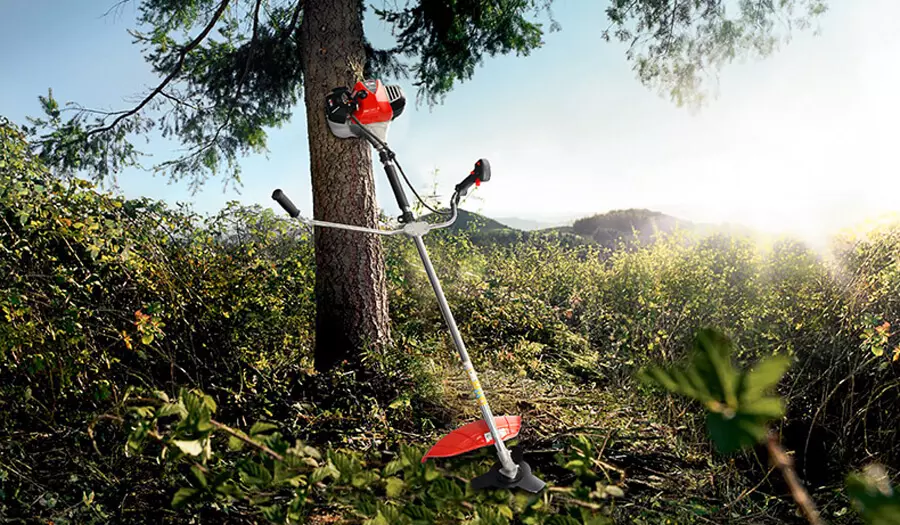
{"x": 803, "y": 142}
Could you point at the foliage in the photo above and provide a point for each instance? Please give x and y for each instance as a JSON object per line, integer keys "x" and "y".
{"x": 107, "y": 301}
{"x": 676, "y": 46}
{"x": 873, "y": 496}
{"x": 262, "y": 474}
{"x": 103, "y": 294}
{"x": 738, "y": 404}
{"x": 738, "y": 411}
{"x": 449, "y": 39}
{"x": 231, "y": 72}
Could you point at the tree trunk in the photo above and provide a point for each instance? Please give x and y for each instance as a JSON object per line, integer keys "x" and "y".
{"x": 351, "y": 293}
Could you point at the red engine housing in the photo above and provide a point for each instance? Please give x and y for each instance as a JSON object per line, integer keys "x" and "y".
{"x": 376, "y": 106}
{"x": 372, "y": 103}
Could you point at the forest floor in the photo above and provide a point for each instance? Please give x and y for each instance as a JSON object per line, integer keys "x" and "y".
{"x": 660, "y": 459}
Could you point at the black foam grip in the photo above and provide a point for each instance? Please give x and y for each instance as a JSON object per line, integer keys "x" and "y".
{"x": 396, "y": 187}
{"x": 286, "y": 203}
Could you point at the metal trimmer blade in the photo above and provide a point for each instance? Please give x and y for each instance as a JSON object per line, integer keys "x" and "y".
{"x": 524, "y": 479}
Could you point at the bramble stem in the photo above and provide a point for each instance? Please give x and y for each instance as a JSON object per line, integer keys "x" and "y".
{"x": 786, "y": 465}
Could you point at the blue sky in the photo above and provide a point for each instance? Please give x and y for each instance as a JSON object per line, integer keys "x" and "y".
{"x": 804, "y": 141}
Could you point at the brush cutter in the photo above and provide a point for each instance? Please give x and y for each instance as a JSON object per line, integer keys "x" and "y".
{"x": 366, "y": 112}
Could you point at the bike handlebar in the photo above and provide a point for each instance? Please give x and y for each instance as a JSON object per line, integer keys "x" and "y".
{"x": 286, "y": 203}
{"x": 412, "y": 228}
{"x": 481, "y": 173}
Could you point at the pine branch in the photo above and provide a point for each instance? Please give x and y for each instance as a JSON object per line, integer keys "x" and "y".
{"x": 294, "y": 18}
{"x": 181, "y": 56}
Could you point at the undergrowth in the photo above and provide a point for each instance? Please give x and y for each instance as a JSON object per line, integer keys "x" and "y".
{"x": 114, "y": 308}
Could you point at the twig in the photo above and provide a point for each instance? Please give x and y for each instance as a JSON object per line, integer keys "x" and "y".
{"x": 23, "y": 476}
{"x": 584, "y": 504}
{"x": 177, "y": 100}
{"x": 117, "y": 5}
{"x": 250, "y": 54}
{"x": 90, "y": 429}
{"x": 786, "y": 464}
{"x": 747, "y": 492}
{"x": 246, "y": 439}
{"x": 177, "y": 69}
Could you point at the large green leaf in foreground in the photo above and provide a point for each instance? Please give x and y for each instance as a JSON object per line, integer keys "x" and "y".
{"x": 738, "y": 403}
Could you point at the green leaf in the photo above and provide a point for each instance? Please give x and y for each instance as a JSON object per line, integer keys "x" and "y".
{"x": 235, "y": 443}
{"x": 576, "y": 465}
{"x": 379, "y": 519}
{"x": 273, "y": 513}
{"x": 312, "y": 452}
{"x": 658, "y": 376}
{"x": 732, "y": 434}
{"x": 394, "y": 466}
{"x": 420, "y": 514}
{"x": 254, "y": 474}
{"x": 147, "y": 339}
{"x": 402, "y": 401}
{"x": 764, "y": 376}
{"x": 261, "y": 427}
{"x": 431, "y": 473}
{"x": 363, "y": 479}
{"x": 170, "y": 409}
{"x": 322, "y": 473}
{"x": 767, "y": 407}
{"x": 873, "y": 497}
{"x": 712, "y": 362}
{"x": 192, "y": 447}
{"x": 183, "y": 497}
{"x": 198, "y": 474}
{"x": 394, "y": 487}
{"x": 144, "y": 411}
{"x": 161, "y": 395}
{"x": 614, "y": 491}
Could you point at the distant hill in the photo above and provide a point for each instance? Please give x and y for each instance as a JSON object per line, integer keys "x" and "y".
{"x": 509, "y": 236}
{"x": 485, "y": 231}
{"x": 607, "y": 229}
{"x": 466, "y": 220}
{"x": 530, "y": 224}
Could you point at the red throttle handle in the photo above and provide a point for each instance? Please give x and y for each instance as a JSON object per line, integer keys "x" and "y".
{"x": 481, "y": 173}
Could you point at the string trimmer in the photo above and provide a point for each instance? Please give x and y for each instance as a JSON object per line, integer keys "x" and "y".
{"x": 366, "y": 112}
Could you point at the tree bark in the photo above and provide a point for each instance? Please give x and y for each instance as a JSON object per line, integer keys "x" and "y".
{"x": 351, "y": 292}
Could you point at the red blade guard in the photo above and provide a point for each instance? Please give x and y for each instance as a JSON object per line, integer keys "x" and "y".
{"x": 474, "y": 436}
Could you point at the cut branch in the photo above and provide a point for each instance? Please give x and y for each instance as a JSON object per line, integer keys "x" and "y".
{"x": 177, "y": 69}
